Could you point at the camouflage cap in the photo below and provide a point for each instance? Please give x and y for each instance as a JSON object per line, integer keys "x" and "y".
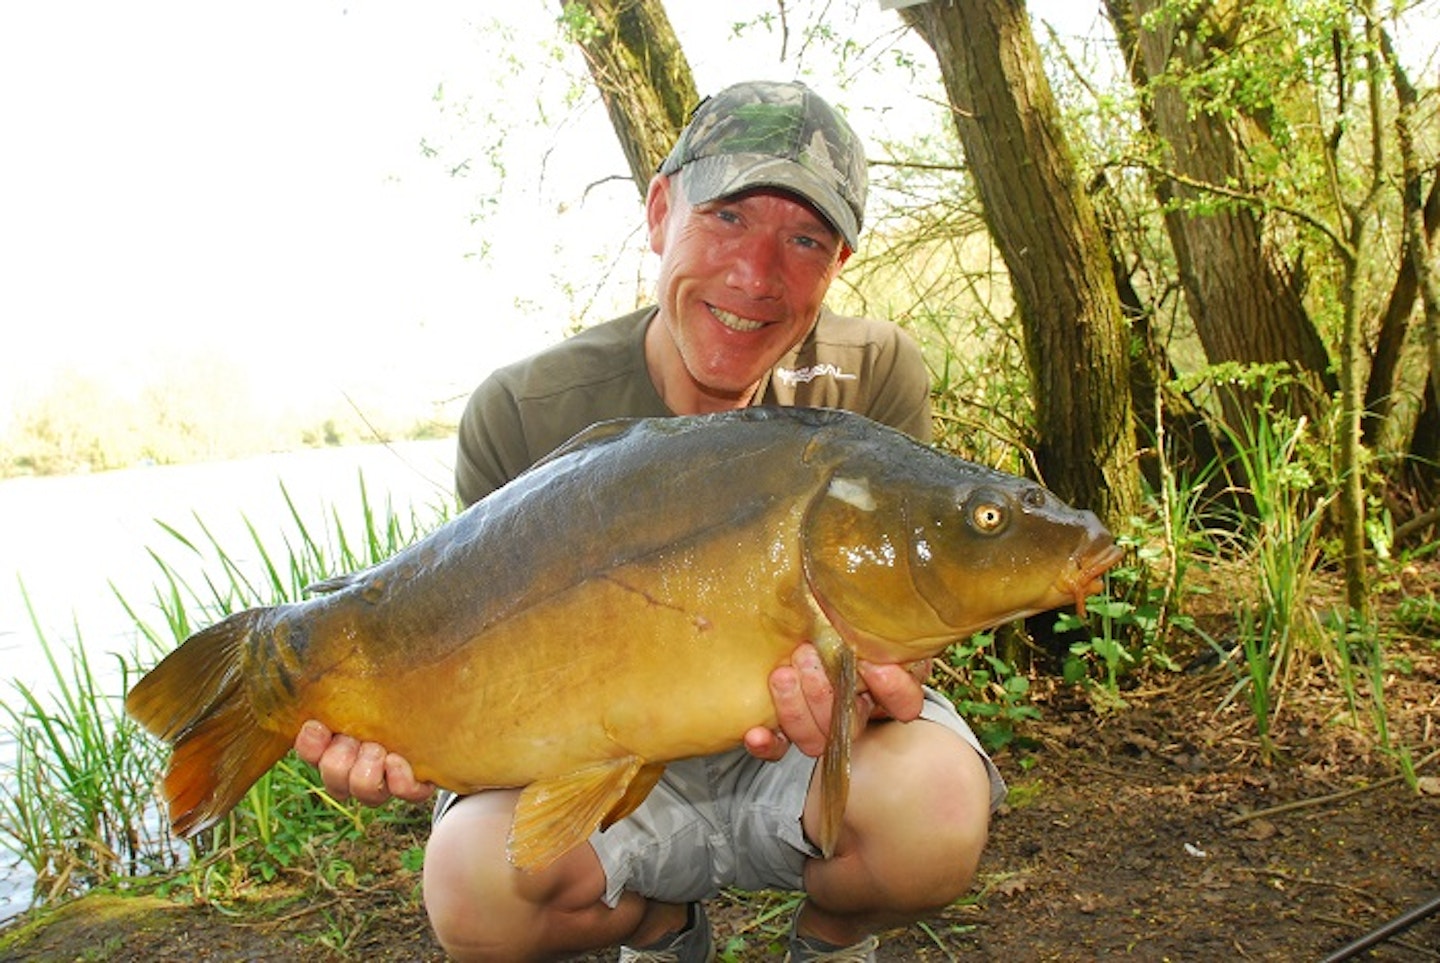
{"x": 782, "y": 135}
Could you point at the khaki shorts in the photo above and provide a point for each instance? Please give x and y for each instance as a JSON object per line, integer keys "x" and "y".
{"x": 727, "y": 820}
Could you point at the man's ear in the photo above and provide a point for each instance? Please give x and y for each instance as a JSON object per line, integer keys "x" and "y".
{"x": 657, "y": 209}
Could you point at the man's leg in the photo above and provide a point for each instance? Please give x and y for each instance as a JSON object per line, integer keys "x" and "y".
{"x": 915, "y": 824}
{"x": 482, "y": 908}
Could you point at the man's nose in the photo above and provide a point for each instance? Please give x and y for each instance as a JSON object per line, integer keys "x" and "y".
{"x": 755, "y": 265}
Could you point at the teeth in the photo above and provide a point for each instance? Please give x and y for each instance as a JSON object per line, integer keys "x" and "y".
{"x": 734, "y": 322}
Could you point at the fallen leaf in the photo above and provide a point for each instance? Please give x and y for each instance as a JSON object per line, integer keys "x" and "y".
{"x": 1011, "y": 886}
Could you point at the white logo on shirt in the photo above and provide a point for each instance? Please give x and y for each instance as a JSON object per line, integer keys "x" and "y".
{"x": 797, "y": 376}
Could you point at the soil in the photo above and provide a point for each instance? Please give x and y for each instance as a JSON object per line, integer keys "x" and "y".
{"x": 1147, "y": 830}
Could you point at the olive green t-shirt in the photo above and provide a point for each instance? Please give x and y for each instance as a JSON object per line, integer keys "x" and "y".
{"x": 523, "y": 411}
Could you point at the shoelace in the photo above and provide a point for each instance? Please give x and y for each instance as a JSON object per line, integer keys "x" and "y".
{"x": 862, "y": 952}
{"x": 630, "y": 955}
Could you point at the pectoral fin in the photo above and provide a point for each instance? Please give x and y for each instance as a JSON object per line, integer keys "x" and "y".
{"x": 635, "y": 793}
{"x": 839, "y": 660}
{"x": 554, "y": 816}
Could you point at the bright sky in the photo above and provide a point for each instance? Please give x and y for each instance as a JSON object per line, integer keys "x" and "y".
{"x": 247, "y": 181}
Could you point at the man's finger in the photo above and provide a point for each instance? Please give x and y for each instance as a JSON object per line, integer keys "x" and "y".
{"x": 793, "y": 713}
{"x": 311, "y": 741}
{"x": 367, "y": 777}
{"x": 400, "y": 780}
{"x": 815, "y": 684}
{"x": 336, "y": 765}
{"x": 766, "y": 744}
{"x": 895, "y": 689}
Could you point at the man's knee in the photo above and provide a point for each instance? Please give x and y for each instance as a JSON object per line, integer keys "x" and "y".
{"x": 464, "y": 862}
{"x": 483, "y": 908}
{"x": 920, "y": 808}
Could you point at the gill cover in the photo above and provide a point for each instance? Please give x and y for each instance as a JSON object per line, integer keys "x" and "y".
{"x": 860, "y": 563}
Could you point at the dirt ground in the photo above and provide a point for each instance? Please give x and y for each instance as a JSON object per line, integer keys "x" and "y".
{"x": 1125, "y": 837}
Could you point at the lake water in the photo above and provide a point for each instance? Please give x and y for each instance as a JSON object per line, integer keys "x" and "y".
{"x": 76, "y": 541}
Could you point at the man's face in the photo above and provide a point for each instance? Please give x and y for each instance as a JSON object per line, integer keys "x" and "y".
{"x": 741, "y": 282}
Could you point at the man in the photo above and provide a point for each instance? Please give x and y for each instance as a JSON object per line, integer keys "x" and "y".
{"x": 752, "y": 215}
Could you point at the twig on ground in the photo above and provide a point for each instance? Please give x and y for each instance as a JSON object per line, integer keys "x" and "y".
{"x": 291, "y": 917}
{"x": 1323, "y": 883}
{"x": 1329, "y": 798}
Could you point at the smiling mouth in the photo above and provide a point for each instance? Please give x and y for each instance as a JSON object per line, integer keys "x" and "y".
{"x": 733, "y": 321}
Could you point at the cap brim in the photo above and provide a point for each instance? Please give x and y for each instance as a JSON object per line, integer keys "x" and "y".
{"x": 708, "y": 178}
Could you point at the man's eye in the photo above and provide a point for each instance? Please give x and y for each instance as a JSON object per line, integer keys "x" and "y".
{"x": 811, "y": 244}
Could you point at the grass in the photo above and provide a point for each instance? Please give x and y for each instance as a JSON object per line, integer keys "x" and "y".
{"x": 80, "y": 810}
{"x": 1280, "y": 486}
{"x": 81, "y": 807}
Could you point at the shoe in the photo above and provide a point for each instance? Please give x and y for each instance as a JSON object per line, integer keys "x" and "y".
{"x": 693, "y": 944}
{"x": 808, "y": 949}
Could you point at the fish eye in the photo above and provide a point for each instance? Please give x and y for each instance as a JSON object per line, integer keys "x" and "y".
{"x": 987, "y": 512}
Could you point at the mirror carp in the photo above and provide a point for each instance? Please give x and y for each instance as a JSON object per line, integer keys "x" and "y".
{"x": 621, "y": 605}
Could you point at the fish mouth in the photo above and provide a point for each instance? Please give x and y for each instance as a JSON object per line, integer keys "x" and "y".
{"x": 1084, "y": 580}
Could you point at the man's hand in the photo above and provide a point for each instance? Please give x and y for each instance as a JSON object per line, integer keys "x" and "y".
{"x": 804, "y": 700}
{"x": 351, "y": 769}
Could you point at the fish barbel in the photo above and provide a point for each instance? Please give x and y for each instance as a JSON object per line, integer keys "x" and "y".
{"x": 619, "y": 606}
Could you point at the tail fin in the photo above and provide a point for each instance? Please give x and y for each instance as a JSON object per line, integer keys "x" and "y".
{"x": 196, "y": 700}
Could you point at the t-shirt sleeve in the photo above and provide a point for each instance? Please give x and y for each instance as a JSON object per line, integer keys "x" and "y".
{"x": 521, "y": 412}
{"x": 490, "y": 447}
{"x": 903, "y": 398}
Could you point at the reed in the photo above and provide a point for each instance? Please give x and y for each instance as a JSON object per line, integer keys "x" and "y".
{"x": 77, "y": 809}
{"x": 1285, "y": 497}
{"x": 79, "y": 806}
{"x": 1277, "y": 531}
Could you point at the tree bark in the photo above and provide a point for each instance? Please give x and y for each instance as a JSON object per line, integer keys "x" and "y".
{"x": 1048, "y": 235}
{"x": 1399, "y": 307}
{"x": 1241, "y": 294}
{"x": 1416, "y": 271}
{"x": 642, "y": 75}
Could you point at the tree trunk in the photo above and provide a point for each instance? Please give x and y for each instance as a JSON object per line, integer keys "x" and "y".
{"x": 1399, "y": 307}
{"x": 641, "y": 73}
{"x": 1047, "y": 233}
{"x": 1416, "y": 270}
{"x": 1165, "y": 414}
{"x": 1241, "y": 294}
{"x": 1422, "y": 468}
